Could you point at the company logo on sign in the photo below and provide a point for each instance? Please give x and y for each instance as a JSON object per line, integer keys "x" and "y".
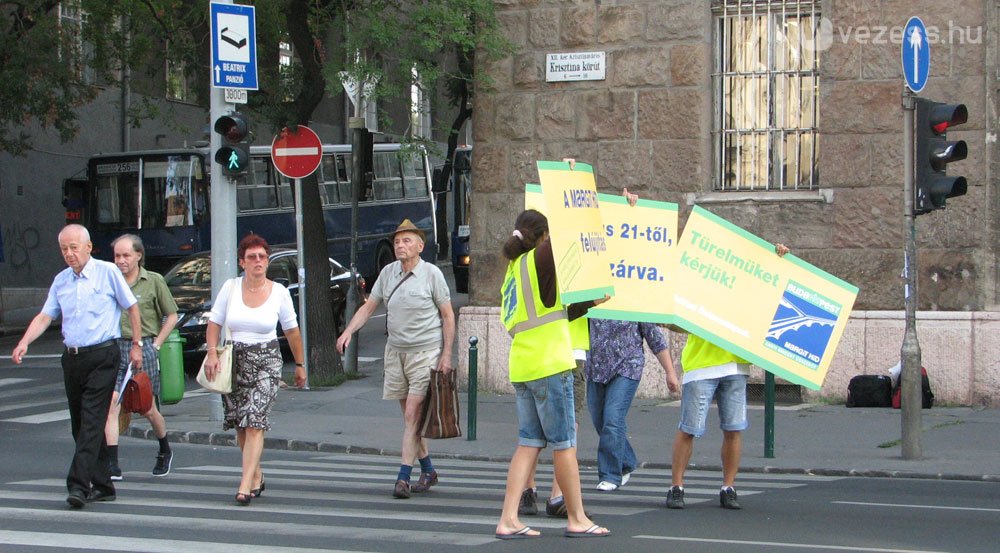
{"x": 802, "y": 325}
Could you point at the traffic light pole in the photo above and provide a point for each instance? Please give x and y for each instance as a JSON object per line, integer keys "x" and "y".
{"x": 910, "y": 401}
{"x": 223, "y": 198}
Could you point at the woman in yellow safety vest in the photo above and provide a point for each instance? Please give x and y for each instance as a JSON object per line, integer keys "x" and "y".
{"x": 541, "y": 370}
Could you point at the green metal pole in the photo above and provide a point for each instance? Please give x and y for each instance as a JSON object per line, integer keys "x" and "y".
{"x": 473, "y": 386}
{"x": 768, "y": 415}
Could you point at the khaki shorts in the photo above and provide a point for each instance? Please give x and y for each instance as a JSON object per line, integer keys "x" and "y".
{"x": 408, "y": 373}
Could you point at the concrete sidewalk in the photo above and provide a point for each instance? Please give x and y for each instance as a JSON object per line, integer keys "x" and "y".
{"x": 957, "y": 443}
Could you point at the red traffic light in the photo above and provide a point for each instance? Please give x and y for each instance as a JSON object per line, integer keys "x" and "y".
{"x": 943, "y": 116}
{"x": 233, "y": 127}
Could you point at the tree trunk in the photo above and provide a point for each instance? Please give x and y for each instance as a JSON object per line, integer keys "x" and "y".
{"x": 321, "y": 330}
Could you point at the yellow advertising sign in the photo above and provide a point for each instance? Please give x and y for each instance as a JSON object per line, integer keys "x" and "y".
{"x": 575, "y": 230}
{"x": 640, "y": 241}
{"x": 780, "y": 313}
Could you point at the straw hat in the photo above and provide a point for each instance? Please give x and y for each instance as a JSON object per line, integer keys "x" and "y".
{"x": 408, "y": 226}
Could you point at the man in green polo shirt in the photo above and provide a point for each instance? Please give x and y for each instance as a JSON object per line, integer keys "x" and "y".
{"x": 156, "y": 304}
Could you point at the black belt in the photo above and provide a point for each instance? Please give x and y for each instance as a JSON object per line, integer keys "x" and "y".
{"x": 72, "y": 350}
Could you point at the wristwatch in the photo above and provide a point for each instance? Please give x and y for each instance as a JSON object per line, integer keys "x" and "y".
{"x": 156, "y": 347}
{"x": 137, "y": 344}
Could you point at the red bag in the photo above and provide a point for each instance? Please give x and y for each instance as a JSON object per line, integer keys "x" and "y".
{"x": 138, "y": 394}
{"x": 926, "y": 395}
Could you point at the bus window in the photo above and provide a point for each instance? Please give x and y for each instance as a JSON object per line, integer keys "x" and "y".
{"x": 109, "y": 204}
{"x": 257, "y": 193}
{"x": 285, "y": 193}
{"x": 414, "y": 183}
{"x": 343, "y": 172}
{"x": 388, "y": 185}
{"x": 328, "y": 180}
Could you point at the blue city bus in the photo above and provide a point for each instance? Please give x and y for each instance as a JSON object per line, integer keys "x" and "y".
{"x": 164, "y": 197}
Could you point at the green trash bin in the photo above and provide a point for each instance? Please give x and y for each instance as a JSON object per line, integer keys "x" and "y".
{"x": 172, "y": 369}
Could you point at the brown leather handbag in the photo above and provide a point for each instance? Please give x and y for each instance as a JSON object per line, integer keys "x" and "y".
{"x": 138, "y": 394}
{"x": 441, "y": 416}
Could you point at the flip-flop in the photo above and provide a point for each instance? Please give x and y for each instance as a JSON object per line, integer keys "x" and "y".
{"x": 592, "y": 532}
{"x": 521, "y": 534}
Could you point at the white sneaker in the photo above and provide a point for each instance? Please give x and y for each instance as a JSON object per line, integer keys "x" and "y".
{"x": 626, "y": 477}
{"x": 606, "y": 486}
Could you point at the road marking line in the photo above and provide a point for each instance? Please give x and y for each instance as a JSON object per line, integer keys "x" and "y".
{"x": 907, "y": 506}
{"x": 18, "y": 392}
{"x": 30, "y": 404}
{"x": 9, "y": 381}
{"x": 131, "y": 543}
{"x": 728, "y": 541}
{"x": 41, "y": 418}
{"x": 234, "y": 528}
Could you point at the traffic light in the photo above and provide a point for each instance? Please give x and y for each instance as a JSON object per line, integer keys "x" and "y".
{"x": 234, "y": 153}
{"x": 931, "y": 186}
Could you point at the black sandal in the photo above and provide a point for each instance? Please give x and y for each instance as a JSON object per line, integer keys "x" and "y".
{"x": 243, "y": 499}
{"x": 256, "y": 492}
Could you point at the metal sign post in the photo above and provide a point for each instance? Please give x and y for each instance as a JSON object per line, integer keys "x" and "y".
{"x": 297, "y": 155}
{"x": 223, "y": 197}
{"x": 915, "y": 55}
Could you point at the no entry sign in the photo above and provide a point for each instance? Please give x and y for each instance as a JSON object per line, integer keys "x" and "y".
{"x": 296, "y": 155}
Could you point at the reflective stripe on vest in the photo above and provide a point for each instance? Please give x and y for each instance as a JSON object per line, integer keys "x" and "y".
{"x": 528, "y": 297}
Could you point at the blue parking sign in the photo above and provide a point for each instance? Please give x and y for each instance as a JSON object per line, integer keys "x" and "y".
{"x": 234, "y": 46}
{"x": 916, "y": 54}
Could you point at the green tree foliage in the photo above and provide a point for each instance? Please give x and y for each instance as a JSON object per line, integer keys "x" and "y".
{"x": 121, "y": 41}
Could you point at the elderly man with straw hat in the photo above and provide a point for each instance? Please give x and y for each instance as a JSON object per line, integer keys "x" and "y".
{"x": 420, "y": 325}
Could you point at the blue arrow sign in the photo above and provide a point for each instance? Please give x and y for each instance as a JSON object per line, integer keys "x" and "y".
{"x": 234, "y": 46}
{"x": 916, "y": 54}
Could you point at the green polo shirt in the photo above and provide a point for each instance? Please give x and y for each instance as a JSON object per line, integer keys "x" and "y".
{"x": 155, "y": 302}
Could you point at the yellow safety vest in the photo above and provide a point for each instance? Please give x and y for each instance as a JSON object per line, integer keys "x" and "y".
{"x": 579, "y": 333}
{"x": 541, "y": 345}
{"x": 699, "y": 353}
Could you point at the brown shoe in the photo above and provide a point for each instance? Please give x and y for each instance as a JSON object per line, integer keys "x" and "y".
{"x": 427, "y": 479}
{"x": 402, "y": 489}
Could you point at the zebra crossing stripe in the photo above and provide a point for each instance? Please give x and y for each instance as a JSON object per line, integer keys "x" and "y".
{"x": 235, "y": 527}
{"x": 150, "y": 545}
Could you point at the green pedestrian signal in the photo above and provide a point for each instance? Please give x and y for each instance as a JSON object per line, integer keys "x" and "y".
{"x": 234, "y": 153}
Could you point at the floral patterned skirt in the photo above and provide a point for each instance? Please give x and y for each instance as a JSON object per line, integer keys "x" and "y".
{"x": 256, "y": 371}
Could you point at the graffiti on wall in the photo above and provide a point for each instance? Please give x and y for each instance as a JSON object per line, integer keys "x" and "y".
{"x": 17, "y": 244}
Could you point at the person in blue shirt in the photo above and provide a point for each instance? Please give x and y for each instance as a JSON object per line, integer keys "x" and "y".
{"x": 90, "y": 295}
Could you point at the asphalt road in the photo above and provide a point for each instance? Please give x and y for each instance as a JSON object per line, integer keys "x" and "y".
{"x": 336, "y": 502}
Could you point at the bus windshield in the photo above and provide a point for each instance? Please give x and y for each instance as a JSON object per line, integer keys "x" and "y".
{"x": 153, "y": 191}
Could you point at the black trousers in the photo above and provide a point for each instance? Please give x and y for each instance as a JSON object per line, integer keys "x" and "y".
{"x": 89, "y": 378}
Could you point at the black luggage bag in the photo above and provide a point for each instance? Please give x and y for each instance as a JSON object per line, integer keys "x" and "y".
{"x": 869, "y": 390}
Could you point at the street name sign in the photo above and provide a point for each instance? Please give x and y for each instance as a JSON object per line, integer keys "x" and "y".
{"x": 916, "y": 54}
{"x": 234, "y": 46}
{"x": 296, "y": 154}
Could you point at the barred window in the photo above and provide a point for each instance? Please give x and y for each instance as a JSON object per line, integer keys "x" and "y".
{"x": 766, "y": 90}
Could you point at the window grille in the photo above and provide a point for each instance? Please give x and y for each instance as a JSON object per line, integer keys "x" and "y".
{"x": 766, "y": 91}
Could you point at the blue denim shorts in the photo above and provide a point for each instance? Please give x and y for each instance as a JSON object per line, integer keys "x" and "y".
{"x": 697, "y": 396}
{"x": 545, "y": 412}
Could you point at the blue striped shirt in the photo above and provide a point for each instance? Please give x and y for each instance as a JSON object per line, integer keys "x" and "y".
{"x": 90, "y": 303}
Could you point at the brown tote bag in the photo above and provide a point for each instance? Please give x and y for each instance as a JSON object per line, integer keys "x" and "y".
{"x": 440, "y": 419}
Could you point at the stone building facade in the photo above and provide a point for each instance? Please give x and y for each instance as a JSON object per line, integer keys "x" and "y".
{"x": 649, "y": 126}
{"x": 656, "y": 124}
